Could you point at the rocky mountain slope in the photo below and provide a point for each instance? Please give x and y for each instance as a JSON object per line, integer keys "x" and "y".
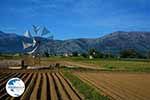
{"x": 114, "y": 43}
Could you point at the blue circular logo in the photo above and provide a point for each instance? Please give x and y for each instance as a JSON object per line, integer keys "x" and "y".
{"x": 15, "y": 87}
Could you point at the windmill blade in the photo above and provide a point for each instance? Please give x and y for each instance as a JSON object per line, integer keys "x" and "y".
{"x": 28, "y": 34}
{"x": 26, "y": 45}
{"x": 45, "y": 31}
{"x": 31, "y": 52}
{"x": 34, "y": 42}
{"x": 36, "y": 29}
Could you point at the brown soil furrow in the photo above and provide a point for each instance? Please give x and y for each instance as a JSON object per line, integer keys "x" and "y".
{"x": 3, "y": 90}
{"x": 106, "y": 90}
{"x": 129, "y": 86}
{"x": 6, "y": 77}
{"x": 128, "y": 92}
{"x": 48, "y": 87}
{"x": 8, "y": 98}
{"x": 39, "y": 88}
{"x": 4, "y": 81}
{"x": 3, "y": 96}
{"x": 2, "y": 86}
{"x": 69, "y": 90}
{"x": 53, "y": 93}
{"x": 56, "y": 88}
{"x": 104, "y": 81}
{"x": 63, "y": 94}
{"x": 139, "y": 81}
{"x": 80, "y": 96}
{"x": 44, "y": 88}
{"x": 35, "y": 90}
{"x": 121, "y": 90}
{"x": 23, "y": 76}
{"x": 117, "y": 85}
{"x": 3, "y": 75}
{"x": 25, "y": 81}
{"x": 29, "y": 87}
{"x": 63, "y": 86}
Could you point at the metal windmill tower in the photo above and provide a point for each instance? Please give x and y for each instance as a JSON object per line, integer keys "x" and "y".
{"x": 31, "y": 45}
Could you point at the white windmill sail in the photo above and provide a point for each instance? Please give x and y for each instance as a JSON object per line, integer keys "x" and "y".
{"x": 34, "y": 42}
{"x": 26, "y": 45}
{"x": 33, "y": 50}
{"x": 45, "y": 31}
{"x": 27, "y": 34}
{"x": 36, "y": 29}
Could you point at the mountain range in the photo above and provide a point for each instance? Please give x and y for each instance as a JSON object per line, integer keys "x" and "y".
{"x": 111, "y": 43}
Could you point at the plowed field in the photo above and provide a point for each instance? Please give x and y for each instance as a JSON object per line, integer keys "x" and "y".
{"x": 119, "y": 86}
{"x": 39, "y": 86}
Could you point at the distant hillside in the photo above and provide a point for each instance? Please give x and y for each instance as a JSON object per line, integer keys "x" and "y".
{"x": 114, "y": 43}
{"x": 10, "y": 42}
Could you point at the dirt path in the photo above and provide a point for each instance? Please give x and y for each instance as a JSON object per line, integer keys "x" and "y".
{"x": 72, "y": 64}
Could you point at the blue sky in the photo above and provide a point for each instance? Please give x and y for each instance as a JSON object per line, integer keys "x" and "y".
{"x": 75, "y": 18}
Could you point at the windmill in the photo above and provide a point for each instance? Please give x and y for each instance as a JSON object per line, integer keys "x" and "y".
{"x": 31, "y": 45}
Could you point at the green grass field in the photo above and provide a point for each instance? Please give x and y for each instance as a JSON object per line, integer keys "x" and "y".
{"x": 140, "y": 65}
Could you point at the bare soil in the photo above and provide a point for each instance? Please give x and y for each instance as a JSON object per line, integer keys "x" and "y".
{"x": 119, "y": 86}
{"x": 41, "y": 85}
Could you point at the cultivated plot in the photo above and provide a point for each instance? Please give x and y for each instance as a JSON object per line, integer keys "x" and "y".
{"x": 120, "y": 86}
{"x": 40, "y": 85}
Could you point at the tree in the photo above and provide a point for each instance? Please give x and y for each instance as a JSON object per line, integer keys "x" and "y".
{"x": 148, "y": 54}
{"x": 129, "y": 53}
{"x": 75, "y": 53}
{"x": 46, "y": 53}
{"x": 84, "y": 55}
{"x": 94, "y": 53}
